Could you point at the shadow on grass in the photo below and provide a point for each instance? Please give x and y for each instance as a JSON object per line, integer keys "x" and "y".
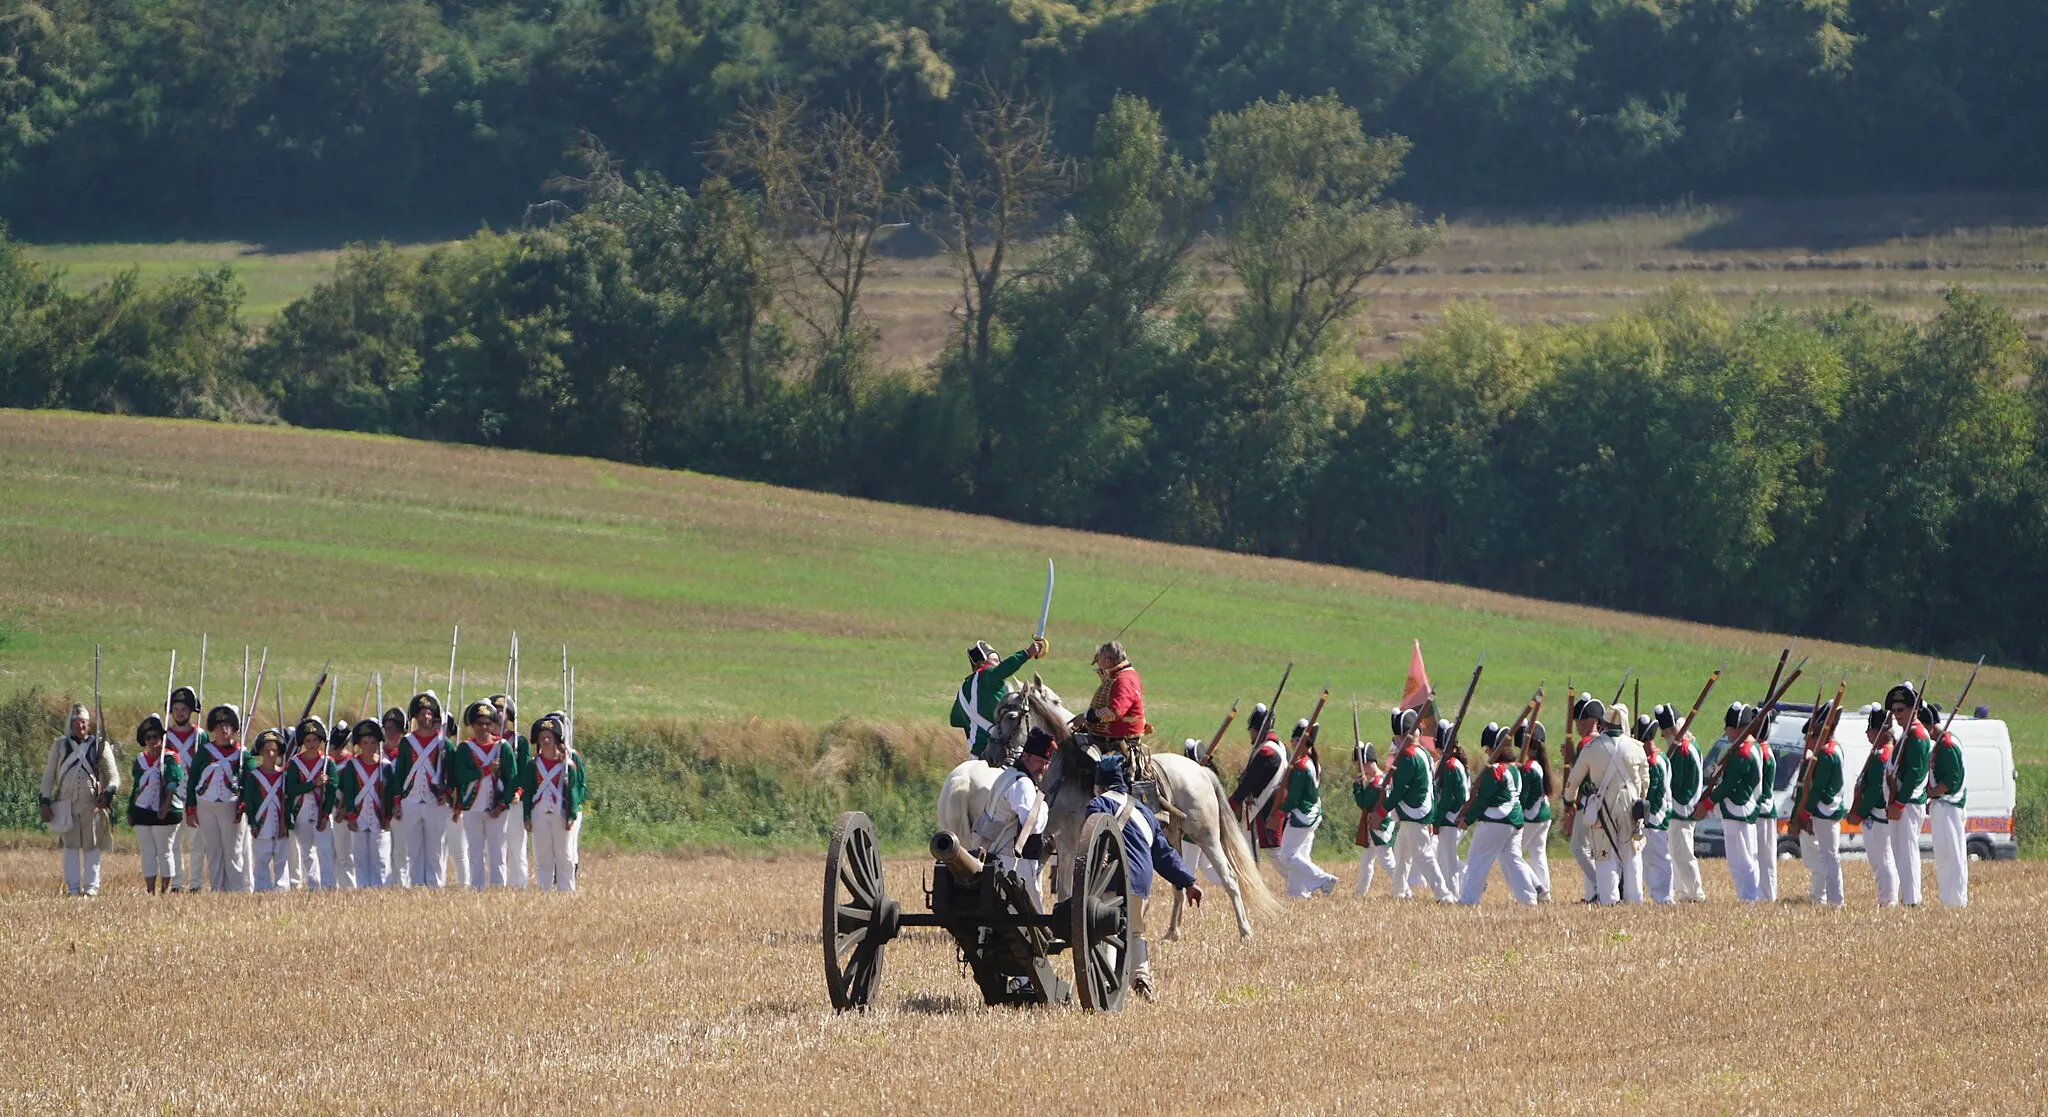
{"x": 932, "y": 1004}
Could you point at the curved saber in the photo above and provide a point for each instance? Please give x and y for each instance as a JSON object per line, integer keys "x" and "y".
{"x": 1045, "y": 610}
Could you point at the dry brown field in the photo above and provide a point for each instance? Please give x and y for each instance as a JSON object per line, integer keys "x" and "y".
{"x": 692, "y": 985}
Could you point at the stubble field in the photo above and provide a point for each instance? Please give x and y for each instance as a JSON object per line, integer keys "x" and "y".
{"x": 692, "y": 985}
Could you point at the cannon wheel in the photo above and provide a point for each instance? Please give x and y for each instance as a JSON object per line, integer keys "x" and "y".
{"x": 859, "y": 917}
{"x": 1101, "y": 910}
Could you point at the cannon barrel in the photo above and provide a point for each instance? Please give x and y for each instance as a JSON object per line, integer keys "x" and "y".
{"x": 963, "y": 865}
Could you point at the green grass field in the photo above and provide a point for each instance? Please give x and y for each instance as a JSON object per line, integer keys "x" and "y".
{"x": 708, "y": 600}
{"x": 273, "y": 279}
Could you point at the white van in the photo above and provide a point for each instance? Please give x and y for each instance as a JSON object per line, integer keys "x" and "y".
{"x": 1988, "y": 773}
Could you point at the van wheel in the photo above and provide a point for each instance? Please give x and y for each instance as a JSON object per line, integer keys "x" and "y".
{"x": 1979, "y": 849}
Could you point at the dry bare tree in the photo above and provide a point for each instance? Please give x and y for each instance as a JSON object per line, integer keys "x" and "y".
{"x": 994, "y": 192}
{"x": 827, "y": 182}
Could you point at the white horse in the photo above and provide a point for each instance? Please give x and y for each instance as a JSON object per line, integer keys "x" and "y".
{"x": 1201, "y": 809}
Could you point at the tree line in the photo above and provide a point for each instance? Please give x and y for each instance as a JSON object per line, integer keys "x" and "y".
{"x": 152, "y": 116}
{"x": 1841, "y": 473}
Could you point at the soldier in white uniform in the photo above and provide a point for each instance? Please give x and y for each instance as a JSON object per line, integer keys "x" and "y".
{"x": 1619, "y": 772}
{"x": 1012, "y": 826}
{"x": 79, "y": 782}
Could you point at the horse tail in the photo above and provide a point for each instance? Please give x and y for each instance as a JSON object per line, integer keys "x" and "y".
{"x": 1237, "y": 850}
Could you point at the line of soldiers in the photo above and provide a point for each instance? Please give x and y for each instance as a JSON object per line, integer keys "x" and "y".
{"x": 1635, "y": 790}
{"x": 385, "y": 802}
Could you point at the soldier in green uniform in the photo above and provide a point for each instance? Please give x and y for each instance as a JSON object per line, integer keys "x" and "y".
{"x": 1682, "y": 762}
{"x": 1870, "y": 808}
{"x": 1946, "y": 800}
{"x": 1818, "y": 813}
{"x": 1375, "y": 834}
{"x": 974, "y": 705}
{"x": 1912, "y": 760}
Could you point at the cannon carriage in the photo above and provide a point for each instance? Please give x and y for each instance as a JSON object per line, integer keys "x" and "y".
{"x": 991, "y": 915}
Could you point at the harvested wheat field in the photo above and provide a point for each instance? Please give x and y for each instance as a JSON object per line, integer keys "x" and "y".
{"x": 693, "y": 985}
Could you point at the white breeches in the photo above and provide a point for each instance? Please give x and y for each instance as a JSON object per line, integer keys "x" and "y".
{"x": 1304, "y": 877}
{"x": 220, "y": 846}
{"x": 1906, "y": 851}
{"x": 1951, "y": 855}
{"x": 1766, "y": 859}
{"x": 273, "y": 867}
{"x": 400, "y": 872}
{"x": 1377, "y": 857}
{"x": 485, "y": 837}
{"x": 554, "y": 852}
{"x": 1620, "y": 879}
{"x": 1535, "y": 841}
{"x": 1877, "y": 846}
{"x": 1198, "y": 861}
{"x": 1739, "y": 837}
{"x": 158, "y": 848}
{"x": 372, "y": 851}
{"x": 455, "y": 868}
{"x": 1582, "y": 852}
{"x": 1448, "y": 864}
{"x": 1415, "y": 853}
{"x": 1686, "y": 885}
{"x": 313, "y": 857}
{"x": 1657, "y": 866}
{"x": 516, "y": 861}
{"x": 424, "y": 826}
{"x": 81, "y": 871}
{"x": 342, "y": 852}
{"x": 1822, "y": 852}
{"x": 185, "y": 858}
{"x": 1496, "y": 842}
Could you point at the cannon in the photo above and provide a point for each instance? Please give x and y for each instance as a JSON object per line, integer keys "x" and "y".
{"x": 992, "y": 915}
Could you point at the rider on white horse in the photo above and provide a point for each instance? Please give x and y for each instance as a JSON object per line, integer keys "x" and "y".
{"x": 974, "y": 705}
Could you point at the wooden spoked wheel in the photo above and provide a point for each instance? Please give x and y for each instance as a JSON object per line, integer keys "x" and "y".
{"x": 859, "y": 917}
{"x": 1101, "y": 939}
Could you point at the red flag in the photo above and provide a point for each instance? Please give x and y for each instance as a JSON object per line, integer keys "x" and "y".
{"x": 1418, "y": 695}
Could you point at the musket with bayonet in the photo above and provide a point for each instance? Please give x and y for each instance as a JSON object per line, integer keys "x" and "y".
{"x": 1820, "y": 727}
{"x": 1940, "y": 789}
{"x": 1273, "y": 707}
{"x": 1308, "y": 734}
{"x": 1755, "y": 726}
{"x": 1685, "y": 726}
{"x": 1721, "y": 764}
{"x": 1458, "y": 724}
{"x": 1208, "y": 757}
{"x": 318, "y": 685}
{"x": 99, "y": 729}
{"x": 171, "y": 684}
{"x": 1622, "y": 686}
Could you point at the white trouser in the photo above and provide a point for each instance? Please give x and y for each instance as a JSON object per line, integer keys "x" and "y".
{"x": 1495, "y": 842}
{"x": 1686, "y": 885}
{"x": 1906, "y": 851}
{"x": 1766, "y": 859}
{"x": 1448, "y": 863}
{"x": 371, "y": 849}
{"x": 1951, "y": 855}
{"x": 313, "y": 857}
{"x": 1191, "y": 854}
{"x": 400, "y": 872}
{"x": 516, "y": 870}
{"x": 1738, "y": 836}
{"x": 273, "y": 868}
{"x": 485, "y": 837}
{"x": 424, "y": 825}
{"x": 220, "y": 846}
{"x": 1822, "y": 852}
{"x": 81, "y": 871}
{"x": 1304, "y": 877}
{"x": 1582, "y": 852}
{"x": 554, "y": 851}
{"x": 158, "y": 848}
{"x": 1877, "y": 846}
{"x": 1415, "y": 853}
{"x": 185, "y": 856}
{"x": 341, "y": 853}
{"x": 1535, "y": 841}
{"x": 1657, "y": 866}
{"x": 245, "y": 839}
{"x": 455, "y": 870}
{"x": 1377, "y": 857}
{"x": 1620, "y": 879}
